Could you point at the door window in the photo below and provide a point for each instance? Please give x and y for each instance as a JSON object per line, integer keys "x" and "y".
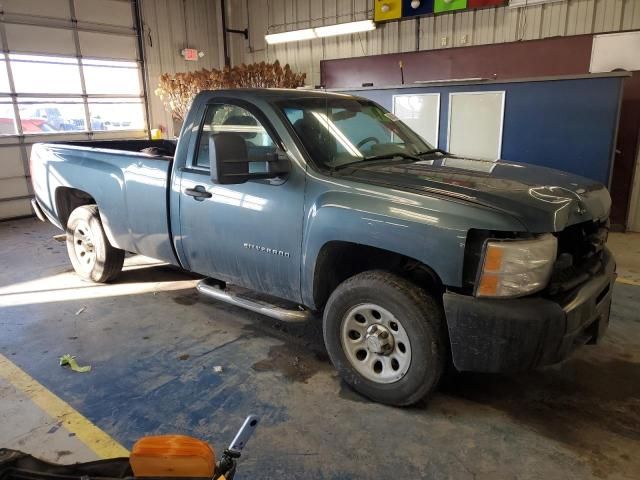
{"x": 231, "y": 118}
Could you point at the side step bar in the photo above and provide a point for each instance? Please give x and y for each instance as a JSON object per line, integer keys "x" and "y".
{"x": 234, "y": 296}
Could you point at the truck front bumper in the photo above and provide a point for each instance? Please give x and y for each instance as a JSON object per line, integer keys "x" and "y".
{"x": 511, "y": 335}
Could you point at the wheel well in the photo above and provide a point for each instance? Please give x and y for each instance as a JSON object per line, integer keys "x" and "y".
{"x": 339, "y": 260}
{"x": 68, "y": 199}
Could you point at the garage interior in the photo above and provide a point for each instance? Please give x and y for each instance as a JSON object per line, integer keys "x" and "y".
{"x": 166, "y": 360}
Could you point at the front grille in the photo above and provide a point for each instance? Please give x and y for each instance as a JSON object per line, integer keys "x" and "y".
{"x": 580, "y": 251}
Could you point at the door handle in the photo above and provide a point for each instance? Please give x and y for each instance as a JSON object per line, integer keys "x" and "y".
{"x": 198, "y": 192}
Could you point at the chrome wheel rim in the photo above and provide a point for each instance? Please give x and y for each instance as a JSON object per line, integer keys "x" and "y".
{"x": 83, "y": 246}
{"x": 376, "y": 343}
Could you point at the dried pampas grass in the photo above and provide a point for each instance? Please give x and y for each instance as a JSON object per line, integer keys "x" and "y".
{"x": 177, "y": 91}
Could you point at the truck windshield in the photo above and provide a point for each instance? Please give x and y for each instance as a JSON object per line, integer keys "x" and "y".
{"x": 338, "y": 131}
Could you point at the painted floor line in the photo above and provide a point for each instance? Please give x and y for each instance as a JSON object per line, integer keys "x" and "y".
{"x": 93, "y": 437}
{"x": 628, "y": 281}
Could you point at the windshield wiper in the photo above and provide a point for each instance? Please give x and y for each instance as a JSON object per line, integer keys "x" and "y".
{"x": 433, "y": 150}
{"x": 386, "y": 156}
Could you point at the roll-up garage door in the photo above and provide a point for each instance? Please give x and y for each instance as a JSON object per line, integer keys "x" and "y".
{"x": 69, "y": 70}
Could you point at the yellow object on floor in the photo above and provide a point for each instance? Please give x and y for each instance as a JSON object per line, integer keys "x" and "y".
{"x": 70, "y": 360}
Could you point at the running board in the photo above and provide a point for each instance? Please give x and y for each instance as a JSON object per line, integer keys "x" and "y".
{"x": 240, "y": 298}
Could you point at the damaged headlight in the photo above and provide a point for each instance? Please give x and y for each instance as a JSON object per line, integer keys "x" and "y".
{"x": 512, "y": 268}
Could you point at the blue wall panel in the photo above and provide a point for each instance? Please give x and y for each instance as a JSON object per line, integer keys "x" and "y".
{"x": 568, "y": 124}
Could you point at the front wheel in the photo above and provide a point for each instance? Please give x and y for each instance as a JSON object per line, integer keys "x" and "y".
{"x": 386, "y": 338}
{"x": 91, "y": 254}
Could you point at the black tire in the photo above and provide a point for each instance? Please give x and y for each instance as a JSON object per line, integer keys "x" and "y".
{"x": 422, "y": 320}
{"x": 108, "y": 260}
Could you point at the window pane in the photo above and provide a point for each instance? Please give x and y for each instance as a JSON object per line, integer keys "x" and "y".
{"x": 230, "y": 118}
{"x": 7, "y": 117}
{"x": 340, "y": 131}
{"x": 421, "y": 112}
{"x": 53, "y": 75}
{"x": 475, "y": 124}
{"x": 51, "y": 115}
{"x": 116, "y": 114}
{"x": 106, "y": 77}
{"x": 4, "y": 78}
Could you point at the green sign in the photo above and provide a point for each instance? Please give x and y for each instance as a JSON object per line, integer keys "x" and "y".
{"x": 449, "y": 5}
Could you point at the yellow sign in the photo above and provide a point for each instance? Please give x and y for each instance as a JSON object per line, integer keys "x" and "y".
{"x": 387, "y": 10}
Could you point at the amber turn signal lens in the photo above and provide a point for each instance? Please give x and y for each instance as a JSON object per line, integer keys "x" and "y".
{"x": 172, "y": 456}
{"x": 492, "y": 259}
{"x": 492, "y": 263}
{"x": 488, "y": 285}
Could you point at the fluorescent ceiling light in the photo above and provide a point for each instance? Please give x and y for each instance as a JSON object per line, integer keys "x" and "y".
{"x": 345, "y": 28}
{"x": 293, "y": 36}
{"x": 319, "y": 32}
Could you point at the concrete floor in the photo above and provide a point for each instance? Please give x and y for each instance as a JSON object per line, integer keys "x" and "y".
{"x": 153, "y": 345}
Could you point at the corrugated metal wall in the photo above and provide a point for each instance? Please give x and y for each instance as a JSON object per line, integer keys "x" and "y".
{"x": 169, "y": 26}
{"x": 476, "y": 27}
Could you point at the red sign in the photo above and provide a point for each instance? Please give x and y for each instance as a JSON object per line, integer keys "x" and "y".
{"x": 190, "y": 54}
{"x": 484, "y": 3}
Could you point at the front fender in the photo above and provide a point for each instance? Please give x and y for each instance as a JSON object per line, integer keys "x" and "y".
{"x": 430, "y": 230}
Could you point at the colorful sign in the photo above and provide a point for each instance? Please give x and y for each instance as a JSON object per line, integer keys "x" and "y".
{"x": 484, "y": 3}
{"x": 387, "y": 10}
{"x": 411, "y": 8}
{"x": 441, "y": 6}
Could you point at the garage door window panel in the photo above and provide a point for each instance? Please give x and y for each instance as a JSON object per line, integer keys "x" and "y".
{"x": 107, "y": 12}
{"x": 111, "y": 77}
{"x": 116, "y": 114}
{"x": 108, "y": 46}
{"x": 51, "y": 115}
{"x": 39, "y": 40}
{"x": 43, "y": 74}
{"x": 7, "y": 117}
{"x": 4, "y": 78}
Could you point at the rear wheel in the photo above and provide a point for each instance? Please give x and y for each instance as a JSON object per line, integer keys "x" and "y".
{"x": 386, "y": 337}
{"x": 91, "y": 254}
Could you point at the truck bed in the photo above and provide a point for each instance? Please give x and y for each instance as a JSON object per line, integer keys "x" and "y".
{"x": 160, "y": 149}
{"x": 127, "y": 178}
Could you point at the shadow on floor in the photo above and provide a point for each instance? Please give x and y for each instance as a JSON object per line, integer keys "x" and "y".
{"x": 155, "y": 273}
{"x": 582, "y": 403}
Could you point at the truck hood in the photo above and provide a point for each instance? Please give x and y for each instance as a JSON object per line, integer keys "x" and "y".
{"x": 542, "y": 199}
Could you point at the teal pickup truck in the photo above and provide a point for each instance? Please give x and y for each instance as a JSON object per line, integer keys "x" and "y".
{"x": 296, "y": 203}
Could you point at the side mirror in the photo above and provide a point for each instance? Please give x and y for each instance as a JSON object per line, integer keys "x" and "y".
{"x": 230, "y": 163}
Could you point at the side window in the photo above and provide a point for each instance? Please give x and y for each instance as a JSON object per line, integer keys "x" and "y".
{"x": 231, "y": 118}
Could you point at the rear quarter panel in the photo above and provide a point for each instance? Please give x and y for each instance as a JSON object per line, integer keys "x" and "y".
{"x": 129, "y": 189}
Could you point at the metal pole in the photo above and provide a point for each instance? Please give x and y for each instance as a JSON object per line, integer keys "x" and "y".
{"x": 225, "y": 46}
{"x": 137, "y": 12}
